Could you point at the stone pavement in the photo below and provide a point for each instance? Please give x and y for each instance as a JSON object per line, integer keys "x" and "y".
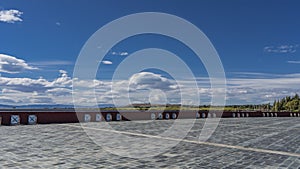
{"x": 236, "y": 143}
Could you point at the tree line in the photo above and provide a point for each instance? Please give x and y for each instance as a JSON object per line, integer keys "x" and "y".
{"x": 287, "y": 104}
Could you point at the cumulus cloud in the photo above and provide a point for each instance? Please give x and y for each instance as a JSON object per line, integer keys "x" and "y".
{"x": 24, "y": 91}
{"x": 34, "y": 85}
{"x": 144, "y": 87}
{"x": 11, "y": 64}
{"x": 148, "y": 80}
{"x": 149, "y": 87}
{"x": 107, "y": 62}
{"x": 281, "y": 49}
{"x": 10, "y": 16}
{"x": 63, "y": 81}
{"x": 24, "y": 84}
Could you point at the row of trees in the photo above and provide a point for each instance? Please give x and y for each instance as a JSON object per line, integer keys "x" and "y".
{"x": 248, "y": 107}
{"x": 287, "y": 104}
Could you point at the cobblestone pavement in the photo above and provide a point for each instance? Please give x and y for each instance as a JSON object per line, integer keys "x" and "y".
{"x": 236, "y": 143}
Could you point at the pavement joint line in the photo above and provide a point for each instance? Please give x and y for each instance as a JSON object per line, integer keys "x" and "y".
{"x": 289, "y": 159}
{"x": 289, "y": 128}
{"x": 193, "y": 141}
{"x": 266, "y": 127}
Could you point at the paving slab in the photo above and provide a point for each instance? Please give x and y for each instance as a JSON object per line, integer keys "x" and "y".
{"x": 235, "y": 143}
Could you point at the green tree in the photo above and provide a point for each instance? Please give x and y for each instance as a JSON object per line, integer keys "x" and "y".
{"x": 296, "y": 97}
{"x": 292, "y": 105}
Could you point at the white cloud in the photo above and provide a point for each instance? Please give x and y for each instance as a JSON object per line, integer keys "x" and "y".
{"x": 107, "y": 62}
{"x": 294, "y": 61}
{"x": 10, "y": 16}
{"x": 148, "y": 80}
{"x": 120, "y": 53}
{"x": 63, "y": 81}
{"x": 46, "y": 64}
{"x": 63, "y": 72}
{"x": 281, "y": 49}
{"x": 124, "y": 53}
{"x": 11, "y": 64}
{"x": 59, "y": 91}
{"x": 144, "y": 87}
{"x": 261, "y": 90}
{"x": 58, "y": 23}
{"x": 24, "y": 91}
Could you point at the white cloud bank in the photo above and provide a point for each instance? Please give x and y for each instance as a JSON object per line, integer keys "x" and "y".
{"x": 11, "y": 64}
{"x": 143, "y": 87}
{"x": 10, "y": 16}
{"x": 24, "y": 91}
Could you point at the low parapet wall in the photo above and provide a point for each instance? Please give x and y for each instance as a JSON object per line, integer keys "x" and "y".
{"x": 15, "y": 117}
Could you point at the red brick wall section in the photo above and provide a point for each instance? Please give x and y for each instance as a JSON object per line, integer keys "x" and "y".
{"x": 71, "y": 117}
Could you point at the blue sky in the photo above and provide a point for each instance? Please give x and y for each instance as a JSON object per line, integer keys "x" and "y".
{"x": 258, "y": 43}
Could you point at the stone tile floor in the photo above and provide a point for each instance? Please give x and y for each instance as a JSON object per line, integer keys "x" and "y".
{"x": 235, "y": 143}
